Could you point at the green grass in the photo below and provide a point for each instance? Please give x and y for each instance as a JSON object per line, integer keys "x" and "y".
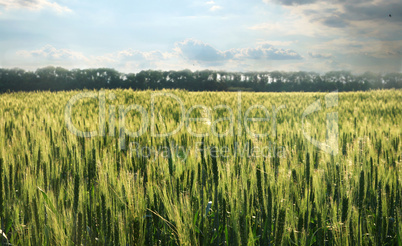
{"x": 60, "y": 189}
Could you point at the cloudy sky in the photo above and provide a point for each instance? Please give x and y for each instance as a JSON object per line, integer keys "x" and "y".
{"x": 235, "y": 35}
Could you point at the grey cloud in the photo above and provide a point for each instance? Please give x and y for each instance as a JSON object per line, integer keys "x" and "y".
{"x": 268, "y": 52}
{"x": 338, "y": 13}
{"x": 27, "y": 2}
{"x": 370, "y": 11}
{"x": 330, "y": 17}
{"x": 319, "y": 56}
{"x": 198, "y": 51}
{"x": 304, "y": 2}
{"x": 362, "y": 11}
{"x": 334, "y": 21}
{"x": 295, "y": 2}
{"x": 205, "y": 53}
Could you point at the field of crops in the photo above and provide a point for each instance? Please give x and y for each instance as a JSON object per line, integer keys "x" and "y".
{"x": 194, "y": 168}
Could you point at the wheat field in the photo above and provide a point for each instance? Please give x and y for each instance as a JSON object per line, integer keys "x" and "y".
{"x": 200, "y": 168}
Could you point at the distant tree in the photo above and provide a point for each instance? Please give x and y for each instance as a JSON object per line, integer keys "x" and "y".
{"x": 58, "y": 78}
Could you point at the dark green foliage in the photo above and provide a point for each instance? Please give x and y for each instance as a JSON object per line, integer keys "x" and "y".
{"x": 345, "y": 205}
{"x": 79, "y": 229}
{"x": 45, "y": 176}
{"x": 259, "y": 187}
{"x": 1, "y": 187}
{"x": 307, "y": 169}
{"x": 104, "y": 218}
{"x": 321, "y": 230}
{"x": 57, "y": 79}
{"x": 36, "y": 216}
{"x": 76, "y": 192}
{"x": 269, "y": 214}
{"x": 360, "y": 201}
{"x": 214, "y": 154}
{"x": 170, "y": 159}
{"x": 10, "y": 179}
{"x": 116, "y": 233}
{"x": 281, "y": 226}
{"x": 379, "y": 224}
{"x": 38, "y": 162}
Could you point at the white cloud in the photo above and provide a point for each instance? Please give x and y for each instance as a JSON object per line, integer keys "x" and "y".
{"x": 293, "y": 25}
{"x": 124, "y": 59}
{"x": 189, "y": 53}
{"x": 215, "y": 8}
{"x": 34, "y": 5}
{"x": 131, "y": 59}
{"x": 52, "y": 53}
{"x": 193, "y": 54}
{"x": 131, "y": 54}
{"x": 277, "y": 42}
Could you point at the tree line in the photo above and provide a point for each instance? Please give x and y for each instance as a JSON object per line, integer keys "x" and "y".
{"x": 58, "y": 79}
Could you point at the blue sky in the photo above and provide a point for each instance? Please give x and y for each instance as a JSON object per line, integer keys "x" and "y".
{"x": 256, "y": 35}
